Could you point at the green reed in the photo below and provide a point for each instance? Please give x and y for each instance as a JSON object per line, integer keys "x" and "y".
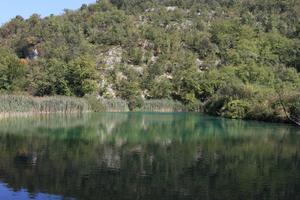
{"x": 55, "y": 104}
{"x": 114, "y": 105}
{"x": 163, "y": 105}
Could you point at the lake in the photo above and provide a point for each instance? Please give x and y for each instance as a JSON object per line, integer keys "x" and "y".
{"x": 147, "y": 156}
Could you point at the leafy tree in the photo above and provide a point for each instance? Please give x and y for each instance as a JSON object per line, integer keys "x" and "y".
{"x": 12, "y": 72}
{"x": 225, "y": 55}
{"x": 81, "y": 76}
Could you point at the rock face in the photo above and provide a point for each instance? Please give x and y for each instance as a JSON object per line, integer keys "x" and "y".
{"x": 171, "y": 8}
{"x": 112, "y": 57}
{"x": 34, "y": 54}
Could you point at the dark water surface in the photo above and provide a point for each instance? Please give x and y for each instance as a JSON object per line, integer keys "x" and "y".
{"x": 143, "y": 156}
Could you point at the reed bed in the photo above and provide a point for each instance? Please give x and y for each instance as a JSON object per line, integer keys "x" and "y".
{"x": 163, "y": 105}
{"x": 18, "y": 105}
{"x": 114, "y": 105}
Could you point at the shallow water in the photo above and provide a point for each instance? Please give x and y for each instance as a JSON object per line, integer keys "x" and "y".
{"x": 147, "y": 156}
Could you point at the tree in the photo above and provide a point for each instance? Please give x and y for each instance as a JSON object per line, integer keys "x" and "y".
{"x": 12, "y": 72}
{"x": 161, "y": 88}
{"x": 81, "y": 76}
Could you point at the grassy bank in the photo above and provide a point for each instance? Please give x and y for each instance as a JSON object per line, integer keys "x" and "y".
{"x": 120, "y": 105}
{"x": 23, "y": 105}
{"x": 163, "y": 105}
{"x": 286, "y": 110}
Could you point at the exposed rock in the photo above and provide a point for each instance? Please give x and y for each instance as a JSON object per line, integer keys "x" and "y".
{"x": 171, "y": 8}
{"x": 114, "y": 56}
{"x": 165, "y": 76}
{"x": 186, "y": 24}
{"x": 139, "y": 69}
{"x": 145, "y": 44}
{"x": 121, "y": 76}
{"x": 150, "y": 10}
{"x": 204, "y": 65}
{"x": 145, "y": 94}
{"x": 154, "y": 59}
{"x": 102, "y": 83}
{"x": 199, "y": 62}
{"x": 136, "y": 68}
{"x": 33, "y": 55}
{"x": 109, "y": 92}
{"x": 217, "y": 62}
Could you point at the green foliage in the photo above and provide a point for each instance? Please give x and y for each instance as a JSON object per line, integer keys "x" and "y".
{"x": 81, "y": 76}
{"x": 229, "y": 56}
{"x": 161, "y": 88}
{"x": 95, "y": 104}
{"x": 236, "y": 109}
{"x": 135, "y": 102}
{"x": 163, "y": 105}
{"x": 12, "y": 72}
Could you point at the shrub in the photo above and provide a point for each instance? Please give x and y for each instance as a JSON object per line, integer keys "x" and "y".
{"x": 236, "y": 109}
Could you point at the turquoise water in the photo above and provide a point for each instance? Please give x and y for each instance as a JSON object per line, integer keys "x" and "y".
{"x": 147, "y": 156}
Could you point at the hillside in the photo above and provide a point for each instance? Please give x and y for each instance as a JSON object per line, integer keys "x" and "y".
{"x": 233, "y": 58}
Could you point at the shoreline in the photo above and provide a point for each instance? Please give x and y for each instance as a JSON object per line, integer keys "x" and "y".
{"x": 25, "y": 106}
{"x": 5, "y": 115}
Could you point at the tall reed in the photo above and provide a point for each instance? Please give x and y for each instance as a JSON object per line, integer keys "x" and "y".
{"x": 119, "y": 105}
{"x": 163, "y": 105}
{"x": 115, "y": 105}
{"x": 26, "y": 104}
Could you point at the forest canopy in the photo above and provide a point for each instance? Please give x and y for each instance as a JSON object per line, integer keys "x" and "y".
{"x": 229, "y": 57}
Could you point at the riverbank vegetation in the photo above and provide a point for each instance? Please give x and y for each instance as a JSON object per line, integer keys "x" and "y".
{"x": 17, "y": 104}
{"x": 120, "y": 105}
{"x": 237, "y": 59}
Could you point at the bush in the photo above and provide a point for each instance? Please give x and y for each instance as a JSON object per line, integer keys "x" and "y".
{"x": 236, "y": 109}
{"x": 214, "y": 105}
{"x": 262, "y": 111}
{"x": 135, "y": 103}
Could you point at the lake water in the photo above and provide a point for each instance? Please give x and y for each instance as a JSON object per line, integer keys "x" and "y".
{"x": 144, "y": 156}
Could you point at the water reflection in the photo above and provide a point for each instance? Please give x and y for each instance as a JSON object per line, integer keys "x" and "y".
{"x": 149, "y": 156}
{"x": 7, "y": 193}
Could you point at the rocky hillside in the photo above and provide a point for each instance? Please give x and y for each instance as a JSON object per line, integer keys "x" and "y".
{"x": 235, "y": 58}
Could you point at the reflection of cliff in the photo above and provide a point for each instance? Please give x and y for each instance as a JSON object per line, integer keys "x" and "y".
{"x": 177, "y": 157}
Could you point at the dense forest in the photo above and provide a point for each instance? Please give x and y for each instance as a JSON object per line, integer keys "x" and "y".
{"x": 232, "y": 58}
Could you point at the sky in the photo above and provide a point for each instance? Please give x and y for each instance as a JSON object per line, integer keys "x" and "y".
{"x": 11, "y": 8}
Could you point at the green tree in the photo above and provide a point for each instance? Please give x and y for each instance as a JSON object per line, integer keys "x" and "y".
{"x": 81, "y": 76}
{"x": 12, "y": 72}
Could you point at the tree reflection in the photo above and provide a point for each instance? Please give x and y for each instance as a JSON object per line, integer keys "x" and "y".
{"x": 150, "y": 156}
